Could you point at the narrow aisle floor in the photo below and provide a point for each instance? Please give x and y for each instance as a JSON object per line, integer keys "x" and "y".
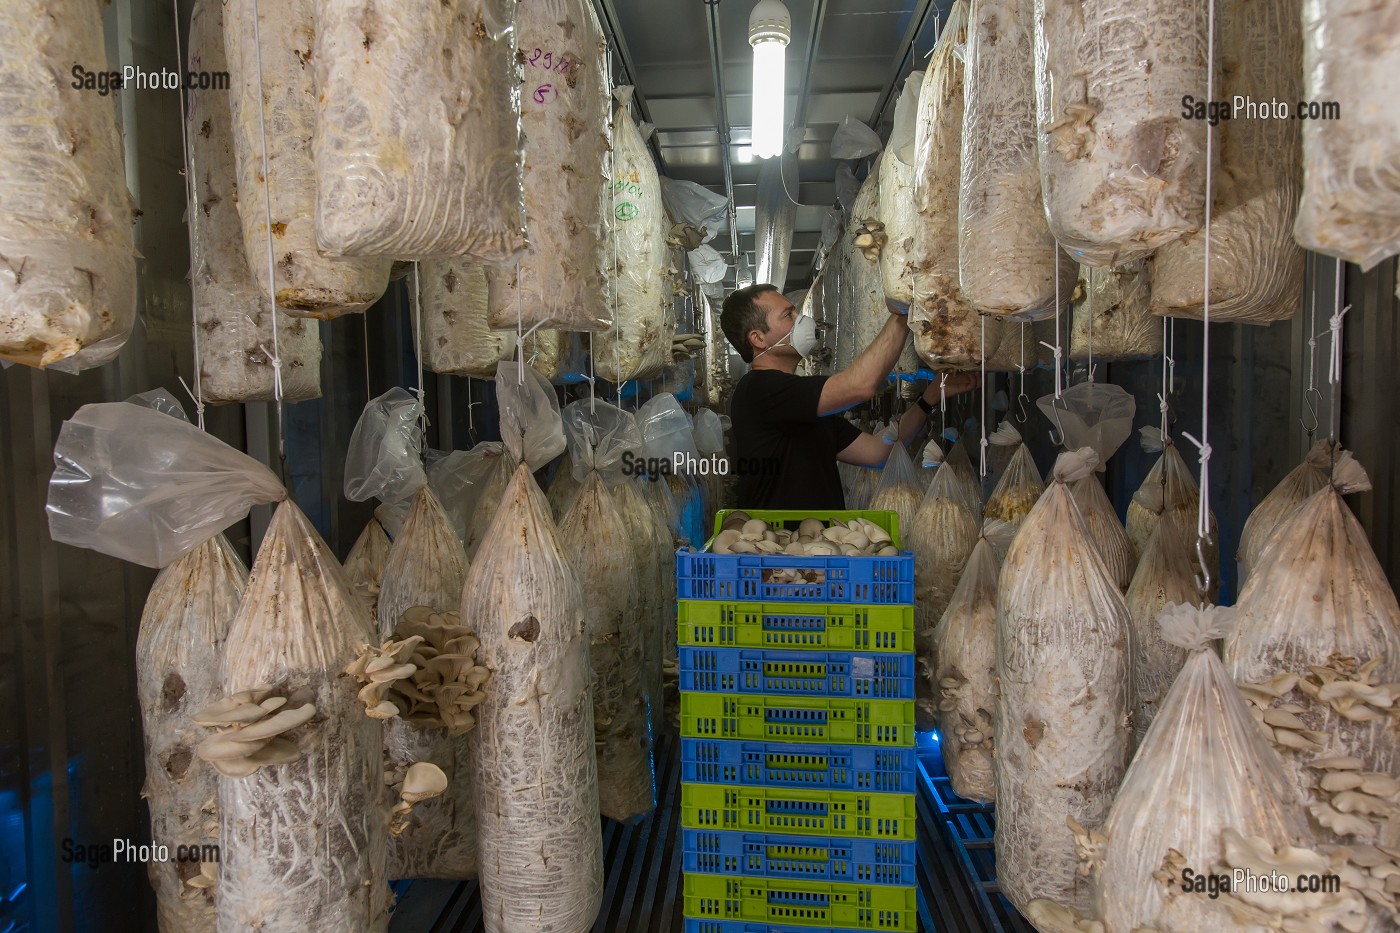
{"x": 643, "y": 893}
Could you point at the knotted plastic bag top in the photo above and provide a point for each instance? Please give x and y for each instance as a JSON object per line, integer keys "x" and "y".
{"x": 1092, "y": 414}
{"x": 709, "y": 432}
{"x": 137, "y": 484}
{"x": 665, "y": 428}
{"x": 598, "y": 435}
{"x": 531, "y": 426}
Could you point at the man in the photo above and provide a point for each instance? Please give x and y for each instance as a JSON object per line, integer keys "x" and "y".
{"x": 786, "y": 436}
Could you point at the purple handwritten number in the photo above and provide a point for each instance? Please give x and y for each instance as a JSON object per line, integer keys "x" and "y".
{"x": 548, "y": 60}
{"x": 536, "y": 57}
{"x": 542, "y": 92}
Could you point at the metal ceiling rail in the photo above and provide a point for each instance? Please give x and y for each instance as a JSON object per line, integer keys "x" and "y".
{"x": 814, "y": 38}
{"x": 903, "y": 59}
{"x": 612, "y": 30}
{"x": 722, "y": 115}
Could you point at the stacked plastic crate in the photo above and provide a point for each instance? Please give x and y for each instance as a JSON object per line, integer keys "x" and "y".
{"x": 797, "y": 739}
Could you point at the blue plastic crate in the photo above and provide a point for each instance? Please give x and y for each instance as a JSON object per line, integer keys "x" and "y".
{"x": 790, "y": 764}
{"x": 785, "y": 672}
{"x": 870, "y": 580}
{"x": 763, "y": 855}
{"x": 738, "y": 926}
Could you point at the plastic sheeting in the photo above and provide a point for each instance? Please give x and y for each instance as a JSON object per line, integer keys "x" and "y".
{"x": 384, "y": 459}
{"x": 906, "y": 111}
{"x": 1351, "y": 166}
{"x": 418, "y": 140}
{"x": 1121, "y": 168}
{"x": 1256, "y": 267}
{"x": 1092, "y": 414}
{"x": 280, "y": 96}
{"x": 139, "y": 485}
{"x": 638, "y": 345}
{"x": 68, "y": 293}
{"x": 1006, "y": 255}
{"x": 946, "y": 328}
{"x": 853, "y": 139}
{"x": 234, "y": 317}
{"x": 558, "y": 282}
{"x": 598, "y": 435}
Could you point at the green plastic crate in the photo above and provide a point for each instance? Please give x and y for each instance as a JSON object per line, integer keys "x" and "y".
{"x": 791, "y": 812}
{"x": 885, "y": 518}
{"x": 707, "y": 623}
{"x": 814, "y": 720}
{"x": 802, "y": 903}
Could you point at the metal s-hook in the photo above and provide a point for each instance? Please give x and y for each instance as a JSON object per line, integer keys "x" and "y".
{"x": 1203, "y": 586}
{"x": 1057, "y": 433}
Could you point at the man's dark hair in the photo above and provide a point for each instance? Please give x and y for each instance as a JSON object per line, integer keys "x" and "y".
{"x": 740, "y": 315}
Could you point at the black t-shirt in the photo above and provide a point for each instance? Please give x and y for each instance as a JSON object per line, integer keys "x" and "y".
{"x": 784, "y": 453}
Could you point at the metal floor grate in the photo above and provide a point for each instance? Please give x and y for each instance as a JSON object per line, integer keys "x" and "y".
{"x": 642, "y": 892}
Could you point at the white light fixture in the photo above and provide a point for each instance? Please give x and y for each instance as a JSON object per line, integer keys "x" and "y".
{"x": 743, "y": 272}
{"x": 770, "y": 30}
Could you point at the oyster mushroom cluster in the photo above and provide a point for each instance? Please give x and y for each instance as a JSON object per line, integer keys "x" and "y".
{"x": 1291, "y": 911}
{"x": 870, "y": 238}
{"x": 1374, "y": 871}
{"x": 413, "y": 783}
{"x": 250, "y": 731}
{"x": 1355, "y": 803}
{"x": 1280, "y": 723}
{"x": 686, "y": 346}
{"x": 970, "y": 734}
{"x": 425, "y": 674}
{"x": 859, "y": 537}
{"x": 1350, "y": 688}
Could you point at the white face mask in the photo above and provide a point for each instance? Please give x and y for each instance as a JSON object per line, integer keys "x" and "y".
{"x": 802, "y": 337}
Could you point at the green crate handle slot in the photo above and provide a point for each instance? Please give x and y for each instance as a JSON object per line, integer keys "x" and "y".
{"x": 890, "y": 908}
{"x": 704, "y": 623}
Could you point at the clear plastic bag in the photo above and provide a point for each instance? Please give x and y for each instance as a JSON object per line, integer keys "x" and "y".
{"x": 638, "y": 345}
{"x": 1020, "y": 487}
{"x": 694, "y": 204}
{"x": 159, "y": 400}
{"x": 558, "y": 281}
{"x": 385, "y": 456}
{"x": 707, "y": 264}
{"x": 905, "y": 113}
{"x": 665, "y": 428}
{"x": 1351, "y": 182}
{"x": 948, "y": 331}
{"x": 531, "y": 427}
{"x": 598, "y": 435}
{"x": 1006, "y": 255}
{"x": 455, "y": 337}
{"x": 1092, "y": 414}
{"x": 1203, "y": 767}
{"x": 896, "y": 209}
{"x": 403, "y": 167}
{"x": 1256, "y": 266}
{"x": 853, "y": 139}
{"x": 901, "y": 488}
{"x": 1121, "y": 167}
{"x": 142, "y": 486}
{"x": 709, "y": 432}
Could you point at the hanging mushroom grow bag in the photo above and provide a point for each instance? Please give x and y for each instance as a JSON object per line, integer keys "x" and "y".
{"x": 426, "y": 567}
{"x": 183, "y": 628}
{"x": 234, "y": 318}
{"x": 1064, "y": 666}
{"x": 277, "y": 93}
{"x": 68, "y": 295}
{"x": 303, "y": 841}
{"x": 558, "y": 281}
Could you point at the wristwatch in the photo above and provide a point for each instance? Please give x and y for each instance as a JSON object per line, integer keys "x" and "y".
{"x": 926, "y": 405}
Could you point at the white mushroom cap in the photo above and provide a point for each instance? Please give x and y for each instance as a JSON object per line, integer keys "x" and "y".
{"x": 422, "y": 781}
